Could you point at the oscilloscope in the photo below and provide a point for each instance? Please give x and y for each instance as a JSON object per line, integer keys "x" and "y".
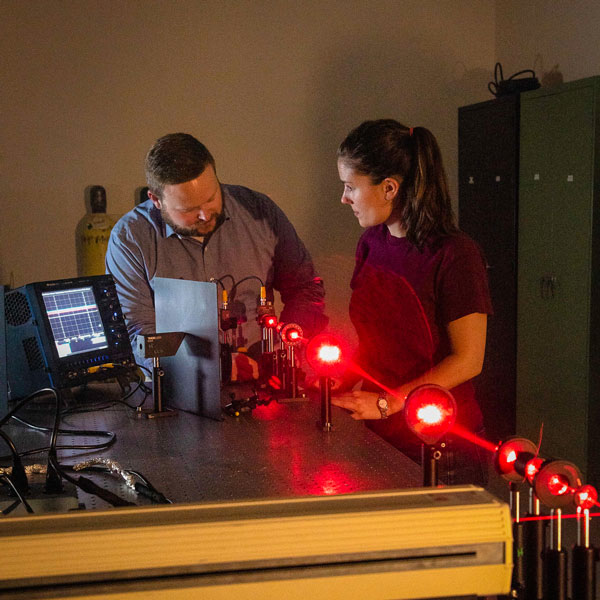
{"x": 63, "y": 334}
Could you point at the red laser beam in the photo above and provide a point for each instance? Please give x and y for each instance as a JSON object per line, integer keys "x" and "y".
{"x": 360, "y": 371}
{"x": 555, "y": 517}
{"x": 558, "y": 485}
{"x": 459, "y": 430}
{"x": 469, "y": 436}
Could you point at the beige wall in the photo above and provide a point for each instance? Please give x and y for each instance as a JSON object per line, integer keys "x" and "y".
{"x": 540, "y": 34}
{"x": 270, "y": 86}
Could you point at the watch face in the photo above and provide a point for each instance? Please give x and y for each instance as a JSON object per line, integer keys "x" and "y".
{"x": 382, "y": 403}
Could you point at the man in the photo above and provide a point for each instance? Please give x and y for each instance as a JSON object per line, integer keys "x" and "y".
{"x": 193, "y": 227}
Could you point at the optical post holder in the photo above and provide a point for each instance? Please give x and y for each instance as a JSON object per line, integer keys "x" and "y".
{"x": 155, "y": 346}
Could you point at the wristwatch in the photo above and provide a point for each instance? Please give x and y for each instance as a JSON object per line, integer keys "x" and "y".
{"x": 382, "y": 405}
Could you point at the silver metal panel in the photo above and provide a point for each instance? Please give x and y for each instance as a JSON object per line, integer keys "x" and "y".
{"x": 192, "y": 376}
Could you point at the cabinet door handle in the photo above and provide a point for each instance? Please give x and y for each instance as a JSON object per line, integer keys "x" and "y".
{"x": 548, "y": 286}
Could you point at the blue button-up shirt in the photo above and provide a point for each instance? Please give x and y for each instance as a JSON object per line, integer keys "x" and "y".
{"x": 255, "y": 241}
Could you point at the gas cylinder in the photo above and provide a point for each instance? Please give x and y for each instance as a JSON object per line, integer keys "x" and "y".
{"x": 92, "y": 234}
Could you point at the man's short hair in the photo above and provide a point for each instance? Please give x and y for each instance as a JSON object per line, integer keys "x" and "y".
{"x": 175, "y": 158}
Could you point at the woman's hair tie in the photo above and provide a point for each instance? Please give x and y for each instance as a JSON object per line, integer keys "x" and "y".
{"x": 410, "y": 132}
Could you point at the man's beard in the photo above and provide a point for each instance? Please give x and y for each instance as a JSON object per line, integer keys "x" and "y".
{"x": 199, "y": 229}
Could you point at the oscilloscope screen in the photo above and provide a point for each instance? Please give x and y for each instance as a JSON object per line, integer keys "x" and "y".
{"x": 75, "y": 321}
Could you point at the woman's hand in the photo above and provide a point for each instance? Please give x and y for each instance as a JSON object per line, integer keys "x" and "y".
{"x": 362, "y": 405}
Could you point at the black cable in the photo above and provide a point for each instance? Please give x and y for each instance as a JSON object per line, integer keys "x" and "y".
{"x": 104, "y": 405}
{"x": 21, "y": 498}
{"x": 145, "y": 488}
{"x": 220, "y": 280}
{"x": 55, "y": 473}
{"x": 83, "y": 432}
{"x": 144, "y": 367}
{"x": 149, "y": 489}
{"x": 102, "y": 446}
{"x": 10, "y": 508}
{"x": 10, "y": 444}
{"x": 75, "y": 432}
{"x": 152, "y": 494}
{"x": 53, "y": 477}
{"x": 111, "y": 403}
{"x": 140, "y": 385}
{"x": 19, "y": 477}
{"x": 248, "y": 277}
{"x": 87, "y": 485}
{"x": 25, "y": 400}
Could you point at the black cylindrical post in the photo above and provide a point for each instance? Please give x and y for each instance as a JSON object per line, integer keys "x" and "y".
{"x": 555, "y": 571}
{"x": 292, "y": 367}
{"x": 534, "y": 542}
{"x": 583, "y": 573}
{"x": 533, "y": 551}
{"x": 555, "y": 562}
{"x": 157, "y": 380}
{"x": 281, "y": 369}
{"x": 518, "y": 576}
{"x": 325, "y": 388}
{"x": 430, "y": 456}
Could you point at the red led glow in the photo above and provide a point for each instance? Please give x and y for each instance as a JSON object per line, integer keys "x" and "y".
{"x": 329, "y": 354}
{"x": 586, "y": 497}
{"x": 326, "y": 355}
{"x": 532, "y": 468}
{"x": 558, "y": 485}
{"x": 291, "y": 334}
{"x": 507, "y": 456}
{"x": 430, "y": 412}
{"x": 275, "y": 382}
{"x": 270, "y": 321}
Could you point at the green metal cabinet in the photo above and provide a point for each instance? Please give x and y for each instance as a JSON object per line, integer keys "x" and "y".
{"x": 558, "y": 302}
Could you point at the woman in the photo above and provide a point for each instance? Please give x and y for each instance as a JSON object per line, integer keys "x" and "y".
{"x": 420, "y": 298}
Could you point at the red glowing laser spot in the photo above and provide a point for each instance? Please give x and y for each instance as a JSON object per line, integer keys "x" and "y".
{"x": 326, "y": 355}
{"x": 532, "y": 468}
{"x": 329, "y": 354}
{"x": 509, "y": 456}
{"x": 291, "y": 334}
{"x": 586, "y": 497}
{"x": 557, "y": 485}
{"x": 457, "y": 429}
{"x": 269, "y": 321}
{"x": 430, "y": 412}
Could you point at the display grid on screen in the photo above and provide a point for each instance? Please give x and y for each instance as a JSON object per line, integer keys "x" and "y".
{"x": 75, "y": 321}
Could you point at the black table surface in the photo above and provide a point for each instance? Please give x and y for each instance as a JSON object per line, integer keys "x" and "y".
{"x": 273, "y": 451}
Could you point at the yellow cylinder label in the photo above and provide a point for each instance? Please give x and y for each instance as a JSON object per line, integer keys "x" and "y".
{"x": 93, "y": 232}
